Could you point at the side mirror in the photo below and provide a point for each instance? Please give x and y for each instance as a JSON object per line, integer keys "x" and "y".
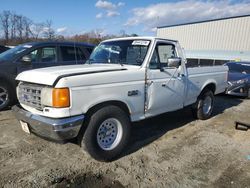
{"x": 26, "y": 59}
{"x": 174, "y": 62}
{"x": 171, "y": 63}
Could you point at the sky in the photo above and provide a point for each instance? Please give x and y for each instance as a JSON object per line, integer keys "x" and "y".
{"x": 140, "y": 17}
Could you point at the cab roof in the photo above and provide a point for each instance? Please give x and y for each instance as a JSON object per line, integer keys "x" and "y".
{"x": 140, "y": 38}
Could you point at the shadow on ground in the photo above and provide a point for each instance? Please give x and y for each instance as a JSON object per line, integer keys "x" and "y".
{"x": 147, "y": 131}
{"x": 87, "y": 181}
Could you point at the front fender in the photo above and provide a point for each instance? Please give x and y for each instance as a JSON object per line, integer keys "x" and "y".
{"x": 85, "y": 98}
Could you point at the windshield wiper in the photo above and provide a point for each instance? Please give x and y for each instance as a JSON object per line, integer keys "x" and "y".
{"x": 115, "y": 61}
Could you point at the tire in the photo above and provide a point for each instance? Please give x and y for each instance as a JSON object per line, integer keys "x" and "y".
{"x": 204, "y": 106}
{"x": 5, "y": 96}
{"x": 103, "y": 144}
{"x": 248, "y": 93}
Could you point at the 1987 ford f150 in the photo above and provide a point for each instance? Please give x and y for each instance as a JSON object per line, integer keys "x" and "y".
{"x": 125, "y": 80}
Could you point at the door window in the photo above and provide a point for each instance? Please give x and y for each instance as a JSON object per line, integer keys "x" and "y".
{"x": 48, "y": 54}
{"x": 68, "y": 53}
{"x": 80, "y": 54}
{"x": 161, "y": 54}
{"x": 136, "y": 54}
{"x": 33, "y": 56}
{"x": 89, "y": 50}
{"x": 246, "y": 68}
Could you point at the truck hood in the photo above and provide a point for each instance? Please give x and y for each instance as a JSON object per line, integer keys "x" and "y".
{"x": 48, "y": 76}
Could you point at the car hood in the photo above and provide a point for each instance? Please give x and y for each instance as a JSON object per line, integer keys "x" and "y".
{"x": 49, "y": 76}
{"x": 237, "y": 76}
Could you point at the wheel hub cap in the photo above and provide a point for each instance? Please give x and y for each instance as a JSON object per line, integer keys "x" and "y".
{"x": 109, "y": 134}
{"x": 3, "y": 96}
{"x": 207, "y": 105}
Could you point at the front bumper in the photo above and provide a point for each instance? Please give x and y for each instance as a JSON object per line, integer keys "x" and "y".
{"x": 53, "y": 129}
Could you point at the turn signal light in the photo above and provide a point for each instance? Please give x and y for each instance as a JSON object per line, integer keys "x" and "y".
{"x": 61, "y": 97}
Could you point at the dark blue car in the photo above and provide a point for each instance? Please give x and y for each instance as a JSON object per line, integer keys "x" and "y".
{"x": 36, "y": 55}
{"x": 239, "y": 79}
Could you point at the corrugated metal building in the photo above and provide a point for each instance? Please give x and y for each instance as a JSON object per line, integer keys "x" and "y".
{"x": 219, "y": 39}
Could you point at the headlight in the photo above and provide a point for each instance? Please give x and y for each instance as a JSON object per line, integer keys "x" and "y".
{"x": 55, "y": 97}
{"x": 46, "y": 96}
{"x": 241, "y": 81}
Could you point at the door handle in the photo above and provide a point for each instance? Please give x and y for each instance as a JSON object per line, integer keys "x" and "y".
{"x": 180, "y": 76}
{"x": 150, "y": 82}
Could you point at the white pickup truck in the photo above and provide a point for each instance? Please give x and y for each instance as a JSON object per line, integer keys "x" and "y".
{"x": 125, "y": 80}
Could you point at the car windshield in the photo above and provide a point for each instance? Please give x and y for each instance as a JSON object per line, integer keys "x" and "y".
{"x": 239, "y": 67}
{"x": 130, "y": 52}
{"x": 11, "y": 53}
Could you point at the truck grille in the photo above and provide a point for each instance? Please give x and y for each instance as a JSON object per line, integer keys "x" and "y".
{"x": 30, "y": 95}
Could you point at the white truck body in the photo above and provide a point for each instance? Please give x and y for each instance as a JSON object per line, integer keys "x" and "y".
{"x": 145, "y": 91}
{"x": 88, "y": 90}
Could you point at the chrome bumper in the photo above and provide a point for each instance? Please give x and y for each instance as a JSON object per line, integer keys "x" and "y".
{"x": 53, "y": 129}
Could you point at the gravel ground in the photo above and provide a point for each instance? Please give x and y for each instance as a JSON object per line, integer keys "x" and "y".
{"x": 171, "y": 150}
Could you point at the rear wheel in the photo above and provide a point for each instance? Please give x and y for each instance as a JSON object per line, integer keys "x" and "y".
{"x": 5, "y": 95}
{"x": 107, "y": 133}
{"x": 204, "y": 105}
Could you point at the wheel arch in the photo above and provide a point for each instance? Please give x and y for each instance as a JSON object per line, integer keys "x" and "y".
{"x": 210, "y": 86}
{"x": 117, "y": 103}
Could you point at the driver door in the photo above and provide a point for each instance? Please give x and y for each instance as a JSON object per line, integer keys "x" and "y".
{"x": 38, "y": 58}
{"x": 165, "y": 89}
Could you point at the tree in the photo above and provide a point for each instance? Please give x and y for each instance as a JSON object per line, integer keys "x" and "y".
{"x": 20, "y": 27}
{"x": 123, "y": 33}
{"x": 134, "y": 35}
{"x": 37, "y": 29}
{"x": 5, "y": 21}
{"x": 27, "y": 27}
{"x": 13, "y": 26}
{"x": 49, "y": 32}
{"x": 17, "y": 28}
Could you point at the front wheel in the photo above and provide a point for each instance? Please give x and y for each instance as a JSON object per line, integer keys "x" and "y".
{"x": 107, "y": 133}
{"x": 5, "y": 95}
{"x": 204, "y": 105}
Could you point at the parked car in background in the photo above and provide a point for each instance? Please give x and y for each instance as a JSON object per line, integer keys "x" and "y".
{"x": 36, "y": 55}
{"x": 3, "y": 49}
{"x": 239, "y": 79}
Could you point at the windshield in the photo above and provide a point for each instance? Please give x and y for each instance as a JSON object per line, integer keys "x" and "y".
{"x": 130, "y": 52}
{"x": 11, "y": 53}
